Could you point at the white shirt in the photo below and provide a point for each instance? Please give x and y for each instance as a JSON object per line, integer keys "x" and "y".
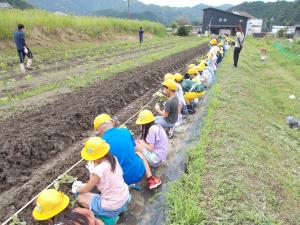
{"x": 241, "y": 37}
{"x": 179, "y": 94}
{"x": 214, "y": 51}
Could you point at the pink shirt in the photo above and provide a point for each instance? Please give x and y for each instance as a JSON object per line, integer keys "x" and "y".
{"x": 114, "y": 191}
{"x": 158, "y": 137}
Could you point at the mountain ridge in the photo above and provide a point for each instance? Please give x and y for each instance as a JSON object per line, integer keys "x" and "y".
{"x": 275, "y": 13}
{"x": 162, "y": 14}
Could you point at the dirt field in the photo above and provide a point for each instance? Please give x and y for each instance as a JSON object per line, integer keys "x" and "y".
{"x": 38, "y": 145}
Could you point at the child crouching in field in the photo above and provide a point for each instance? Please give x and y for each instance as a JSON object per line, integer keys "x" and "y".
{"x": 107, "y": 177}
{"x": 169, "y": 115}
{"x": 179, "y": 93}
{"x": 154, "y": 141}
{"x": 193, "y": 89}
{"x": 54, "y": 206}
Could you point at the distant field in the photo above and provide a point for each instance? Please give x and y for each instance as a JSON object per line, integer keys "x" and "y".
{"x": 245, "y": 167}
{"x": 38, "y": 21}
{"x": 70, "y": 66}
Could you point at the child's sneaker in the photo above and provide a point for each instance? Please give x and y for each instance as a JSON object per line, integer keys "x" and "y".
{"x": 153, "y": 182}
{"x": 191, "y": 109}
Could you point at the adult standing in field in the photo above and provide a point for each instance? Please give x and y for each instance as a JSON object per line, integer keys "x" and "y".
{"x": 22, "y": 49}
{"x": 141, "y": 35}
{"x": 238, "y": 45}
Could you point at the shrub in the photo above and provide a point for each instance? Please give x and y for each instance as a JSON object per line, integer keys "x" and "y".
{"x": 183, "y": 31}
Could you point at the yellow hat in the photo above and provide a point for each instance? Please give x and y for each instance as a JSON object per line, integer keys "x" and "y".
{"x": 101, "y": 119}
{"x": 178, "y": 77}
{"x": 145, "y": 116}
{"x": 169, "y": 76}
{"x": 94, "y": 148}
{"x": 201, "y": 67}
{"x": 171, "y": 84}
{"x": 191, "y": 66}
{"x": 50, "y": 203}
{"x": 193, "y": 71}
{"x": 203, "y": 61}
{"x": 213, "y": 41}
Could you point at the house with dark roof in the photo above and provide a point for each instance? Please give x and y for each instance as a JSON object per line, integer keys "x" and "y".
{"x": 217, "y": 21}
{"x": 5, "y": 5}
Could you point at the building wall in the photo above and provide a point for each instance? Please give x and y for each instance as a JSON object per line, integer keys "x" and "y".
{"x": 290, "y": 30}
{"x": 222, "y": 19}
{"x": 254, "y": 26}
{"x": 297, "y": 32}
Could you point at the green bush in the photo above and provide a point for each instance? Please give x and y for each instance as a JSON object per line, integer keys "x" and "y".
{"x": 183, "y": 31}
{"x": 281, "y": 33}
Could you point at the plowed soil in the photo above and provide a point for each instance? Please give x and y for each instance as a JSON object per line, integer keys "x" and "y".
{"x": 35, "y": 146}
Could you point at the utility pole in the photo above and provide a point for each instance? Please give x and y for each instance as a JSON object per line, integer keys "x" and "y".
{"x": 209, "y": 25}
{"x": 128, "y": 1}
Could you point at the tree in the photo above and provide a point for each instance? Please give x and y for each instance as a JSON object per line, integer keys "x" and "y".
{"x": 182, "y": 20}
{"x": 184, "y": 31}
{"x": 174, "y": 25}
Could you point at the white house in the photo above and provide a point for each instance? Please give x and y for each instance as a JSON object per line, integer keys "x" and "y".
{"x": 290, "y": 30}
{"x": 5, "y": 5}
{"x": 254, "y": 25}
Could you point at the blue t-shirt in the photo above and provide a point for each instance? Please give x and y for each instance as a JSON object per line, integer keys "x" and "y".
{"x": 122, "y": 147}
{"x": 19, "y": 38}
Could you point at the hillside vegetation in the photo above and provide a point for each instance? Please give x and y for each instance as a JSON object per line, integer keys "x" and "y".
{"x": 40, "y": 22}
{"x": 282, "y": 12}
{"x": 118, "y": 8}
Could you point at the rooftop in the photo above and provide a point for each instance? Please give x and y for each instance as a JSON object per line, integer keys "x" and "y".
{"x": 211, "y": 8}
{"x": 242, "y": 13}
{"x": 5, "y": 5}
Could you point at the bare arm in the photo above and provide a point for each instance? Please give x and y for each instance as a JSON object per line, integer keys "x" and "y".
{"x": 163, "y": 113}
{"x": 89, "y": 185}
{"x": 146, "y": 145}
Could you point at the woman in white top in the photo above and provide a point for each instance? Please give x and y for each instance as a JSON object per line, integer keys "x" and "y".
{"x": 238, "y": 44}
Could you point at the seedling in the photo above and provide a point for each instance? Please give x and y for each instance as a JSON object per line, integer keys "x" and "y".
{"x": 161, "y": 96}
{"x": 15, "y": 221}
{"x": 28, "y": 77}
{"x": 65, "y": 179}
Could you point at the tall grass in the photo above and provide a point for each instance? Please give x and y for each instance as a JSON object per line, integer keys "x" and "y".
{"x": 51, "y": 23}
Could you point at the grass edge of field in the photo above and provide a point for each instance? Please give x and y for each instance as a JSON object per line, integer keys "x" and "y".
{"x": 186, "y": 202}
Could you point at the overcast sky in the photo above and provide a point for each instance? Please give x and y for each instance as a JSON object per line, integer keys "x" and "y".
{"x": 181, "y": 3}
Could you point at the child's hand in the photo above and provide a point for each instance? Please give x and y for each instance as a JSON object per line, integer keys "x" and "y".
{"x": 76, "y": 185}
{"x": 157, "y": 106}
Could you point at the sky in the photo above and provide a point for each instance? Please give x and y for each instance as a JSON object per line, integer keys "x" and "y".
{"x": 181, "y": 3}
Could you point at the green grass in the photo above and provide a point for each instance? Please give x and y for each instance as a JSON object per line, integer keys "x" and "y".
{"x": 106, "y": 72}
{"x": 245, "y": 167}
{"x": 51, "y": 24}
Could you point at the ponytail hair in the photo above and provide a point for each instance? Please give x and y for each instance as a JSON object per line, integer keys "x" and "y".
{"x": 145, "y": 130}
{"x": 239, "y": 28}
{"x": 112, "y": 161}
